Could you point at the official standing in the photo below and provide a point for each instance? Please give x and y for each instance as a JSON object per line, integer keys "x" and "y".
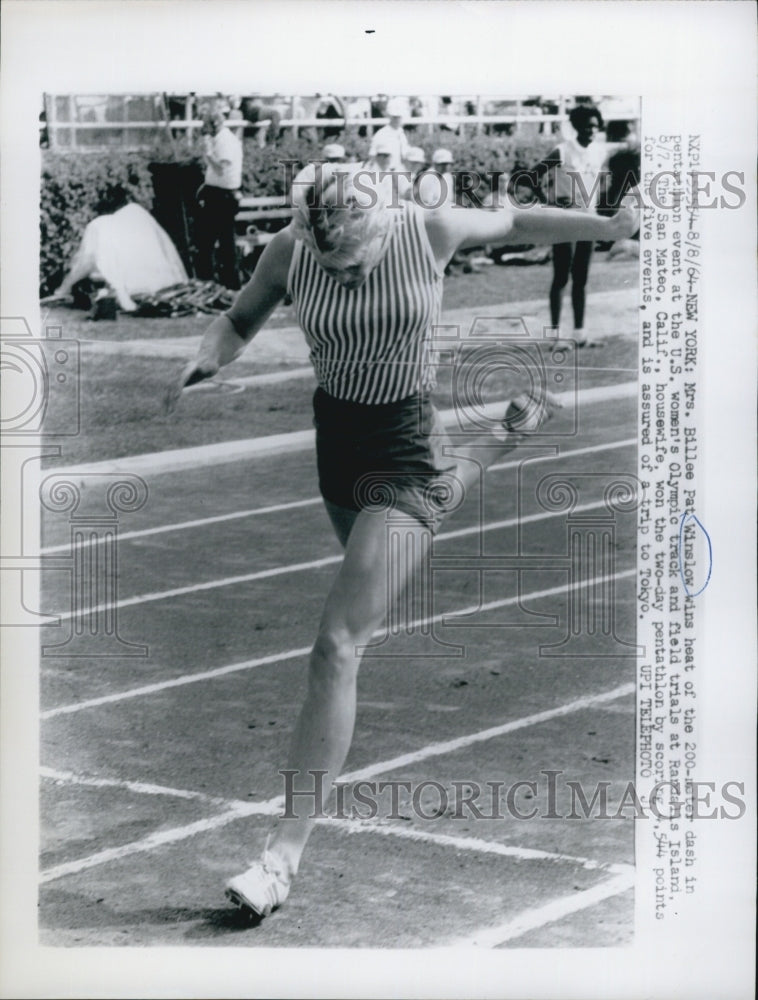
{"x": 392, "y": 137}
{"x": 218, "y": 199}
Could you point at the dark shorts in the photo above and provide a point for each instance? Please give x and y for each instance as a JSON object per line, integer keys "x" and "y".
{"x": 385, "y": 457}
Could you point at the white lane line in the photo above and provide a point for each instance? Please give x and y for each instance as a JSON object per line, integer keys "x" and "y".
{"x": 264, "y": 574}
{"x": 449, "y": 617}
{"x": 475, "y": 844}
{"x": 460, "y": 742}
{"x": 272, "y": 378}
{"x": 343, "y": 825}
{"x": 231, "y": 668}
{"x": 138, "y": 787}
{"x": 178, "y": 459}
{"x": 538, "y": 916}
{"x": 277, "y": 508}
{"x": 150, "y": 843}
{"x": 184, "y": 525}
{"x": 181, "y": 459}
{"x": 574, "y": 453}
{"x": 446, "y": 616}
{"x": 272, "y": 807}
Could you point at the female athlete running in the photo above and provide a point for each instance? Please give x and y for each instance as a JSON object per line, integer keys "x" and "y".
{"x": 365, "y": 277}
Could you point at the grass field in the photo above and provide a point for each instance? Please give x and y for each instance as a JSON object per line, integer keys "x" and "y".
{"x": 490, "y": 286}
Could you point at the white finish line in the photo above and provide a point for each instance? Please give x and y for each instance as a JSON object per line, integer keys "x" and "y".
{"x": 475, "y": 844}
{"x": 348, "y": 826}
{"x": 240, "y": 810}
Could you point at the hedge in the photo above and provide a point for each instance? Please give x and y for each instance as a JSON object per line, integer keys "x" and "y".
{"x": 264, "y": 172}
{"x": 76, "y": 187}
{"x": 74, "y": 190}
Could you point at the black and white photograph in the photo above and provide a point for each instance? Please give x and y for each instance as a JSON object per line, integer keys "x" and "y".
{"x": 378, "y": 445}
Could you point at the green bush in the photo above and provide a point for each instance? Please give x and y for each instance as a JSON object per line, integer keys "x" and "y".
{"x": 73, "y": 190}
{"x": 265, "y": 171}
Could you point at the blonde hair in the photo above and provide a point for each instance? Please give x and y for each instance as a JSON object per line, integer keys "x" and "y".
{"x": 340, "y": 213}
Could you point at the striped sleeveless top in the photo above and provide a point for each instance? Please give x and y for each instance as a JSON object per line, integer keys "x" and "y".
{"x": 371, "y": 344}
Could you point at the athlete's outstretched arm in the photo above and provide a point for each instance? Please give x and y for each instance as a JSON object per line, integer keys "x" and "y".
{"x": 451, "y": 229}
{"x": 561, "y": 225}
{"x": 228, "y": 334}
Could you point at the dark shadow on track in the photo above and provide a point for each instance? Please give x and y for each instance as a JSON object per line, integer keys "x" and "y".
{"x": 71, "y": 911}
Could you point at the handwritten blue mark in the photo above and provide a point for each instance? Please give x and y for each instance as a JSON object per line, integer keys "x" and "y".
{"x": 691, "y": 519}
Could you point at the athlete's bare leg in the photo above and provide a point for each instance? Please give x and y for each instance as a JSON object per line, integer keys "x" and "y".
{"x": 356, "y": 606}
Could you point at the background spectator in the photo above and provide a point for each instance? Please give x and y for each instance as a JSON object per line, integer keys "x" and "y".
{"x": 218, "y": 202}
{"x": 415, "y": 160}
{"x": 415, "y": 110}
{"x": 436, "y": 186}
{"x": 329, "y": 108}
{"x": 333, "y": 153}
{"x": 392, "y": 136}
{"x": 445, "y": 110}
{"x": 389, "y": 177}
{"x": 573, "y": 175}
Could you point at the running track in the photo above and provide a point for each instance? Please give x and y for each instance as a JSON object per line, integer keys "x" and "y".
{"x": 160, "y": 772}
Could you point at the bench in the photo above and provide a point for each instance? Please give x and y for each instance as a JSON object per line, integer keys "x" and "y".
{"x": 254, "y": 211}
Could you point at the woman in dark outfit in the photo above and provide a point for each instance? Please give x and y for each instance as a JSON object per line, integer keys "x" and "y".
{"x": 574, "y": 171}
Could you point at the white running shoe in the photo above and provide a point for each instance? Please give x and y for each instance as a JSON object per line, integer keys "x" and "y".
{"x": 526, "y": 413}
{"x": 262, "y": 888}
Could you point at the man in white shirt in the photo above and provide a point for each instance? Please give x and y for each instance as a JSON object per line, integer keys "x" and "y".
{"x": 218, "y": 200}
{"x": 436, "y": 186}
{"x": 394, "y": 182}
{"x": 393, "y": 136}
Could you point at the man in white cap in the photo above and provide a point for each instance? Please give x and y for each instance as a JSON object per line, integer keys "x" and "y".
{"x": 381, "y": 154}
{"x": 393, "y": 136}
{"x": 436, "y": 187}
{"x": 333, "y": 153}
{"x": 415, "y": 160}
{"x": 394, "y": 180}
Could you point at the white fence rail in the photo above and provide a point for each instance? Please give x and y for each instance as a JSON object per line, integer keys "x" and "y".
{"x": 55, "y": 129}
{"x": 78, "y": 123}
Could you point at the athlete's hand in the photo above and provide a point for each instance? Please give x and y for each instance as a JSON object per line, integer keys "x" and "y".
{"x": 625, "y": 223}
{"x": 191, "y": 375}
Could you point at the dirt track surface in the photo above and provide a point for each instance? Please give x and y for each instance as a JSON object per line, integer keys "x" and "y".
{"x": 157, "y": 782}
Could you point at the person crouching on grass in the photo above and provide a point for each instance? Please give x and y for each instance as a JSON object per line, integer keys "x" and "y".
{"x": 345, "y": 256}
